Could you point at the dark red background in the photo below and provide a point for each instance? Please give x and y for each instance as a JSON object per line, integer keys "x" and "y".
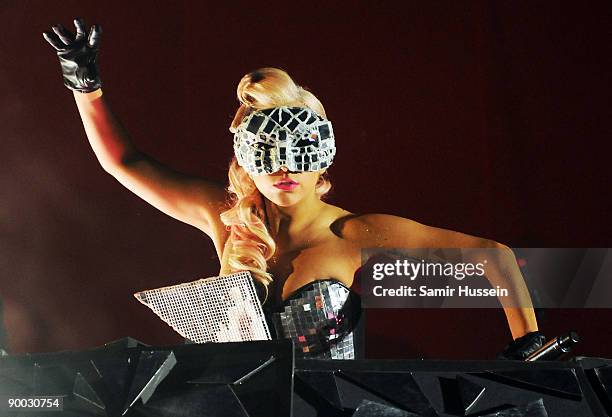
{"x": 487, "y": 117}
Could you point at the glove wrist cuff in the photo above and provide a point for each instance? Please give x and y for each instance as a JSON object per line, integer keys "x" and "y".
{"x": 88, "y": 95}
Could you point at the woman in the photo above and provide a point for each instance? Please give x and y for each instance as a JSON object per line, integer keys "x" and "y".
{"x": 278, "y": 227}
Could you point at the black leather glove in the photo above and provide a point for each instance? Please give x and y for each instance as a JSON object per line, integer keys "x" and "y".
{"x": 77, "y": 55}
{"x": 522, "y": 347}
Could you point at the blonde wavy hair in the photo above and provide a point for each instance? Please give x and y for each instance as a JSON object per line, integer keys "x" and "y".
{"x": 251, "y": 216}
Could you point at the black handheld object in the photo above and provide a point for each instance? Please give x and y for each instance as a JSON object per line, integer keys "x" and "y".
{"x": 78, "y": 55}
{"x": 555, "y": 348}
{"x": 522, "y": 347}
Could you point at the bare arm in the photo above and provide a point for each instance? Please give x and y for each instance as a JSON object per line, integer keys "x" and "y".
{"x": 381, "y": 230}
{"x": 502, "y": 269}
{"x": 192, "y": 200}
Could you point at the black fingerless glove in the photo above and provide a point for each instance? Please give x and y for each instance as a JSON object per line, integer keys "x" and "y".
{"x": 522, "y": 347}
{"x": 78, "y": 55}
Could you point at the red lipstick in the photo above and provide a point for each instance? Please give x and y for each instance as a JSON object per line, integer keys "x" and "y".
{"x": 286, "y": 184}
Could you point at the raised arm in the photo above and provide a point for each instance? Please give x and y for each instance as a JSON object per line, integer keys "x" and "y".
{"x": 192, "y": 200}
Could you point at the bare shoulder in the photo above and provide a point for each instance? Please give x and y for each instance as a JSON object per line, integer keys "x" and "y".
{"x": 385, "y": 230}
{"x": 377, "y": 229}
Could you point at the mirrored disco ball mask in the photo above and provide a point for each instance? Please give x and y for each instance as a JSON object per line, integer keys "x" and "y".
{"x": 295, "y": 137}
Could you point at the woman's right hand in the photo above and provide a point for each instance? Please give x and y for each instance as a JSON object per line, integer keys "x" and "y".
{"x": 78, "y": 55}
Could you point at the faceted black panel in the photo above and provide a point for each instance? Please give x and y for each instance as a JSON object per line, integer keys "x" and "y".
{"x": 324, "y": 384}
{"x": 253, "y": 388}
{"x": 469, "y": 393}
{"x": 374, "y": 409}
{"x": 209, "y": 400}
{"x": 398, "y": 388}
{"x": 459, "y": 395}
{"x": 450, "y": 393}
{"x": 560, "y": 382}
{"x": 116, "y": 375}
{"x": 152, "y": 368}
{"x": 90, "y": 382}
{"x": 491, "y": 398}
{"x": 429, "y": 385}
{"x": 601, "y": 379}
{"x": 604, "y": 376}
{"x": 88, "y": 397}
{"x": 124, "y": 343}
{"x": 533, "y": 409}
{"x": 352, "y": 394}
{"x": 52, "y": 379}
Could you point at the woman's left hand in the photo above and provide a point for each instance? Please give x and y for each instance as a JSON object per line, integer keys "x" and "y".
{"x": 78, "y": 55}
{"x": 522, "y": 347}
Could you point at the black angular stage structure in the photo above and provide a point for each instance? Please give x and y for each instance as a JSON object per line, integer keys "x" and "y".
{"x": 430, "y": 388}
{"x": 128, "y": 378}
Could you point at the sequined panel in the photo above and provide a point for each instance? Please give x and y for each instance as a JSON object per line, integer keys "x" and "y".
{"x": 320, "y": 318}
{"x": 218, "y": 309}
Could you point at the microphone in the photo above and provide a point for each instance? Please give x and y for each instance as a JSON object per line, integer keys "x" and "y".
{"x": 554, "y": 348}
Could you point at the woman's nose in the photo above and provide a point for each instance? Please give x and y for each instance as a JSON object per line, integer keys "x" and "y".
{"x": 283, "y": 169}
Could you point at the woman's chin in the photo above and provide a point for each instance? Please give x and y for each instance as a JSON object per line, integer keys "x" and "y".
{"x": 284, "y": 200}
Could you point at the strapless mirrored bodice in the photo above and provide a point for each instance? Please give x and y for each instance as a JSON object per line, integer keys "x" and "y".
{"x": 321, "y": 317}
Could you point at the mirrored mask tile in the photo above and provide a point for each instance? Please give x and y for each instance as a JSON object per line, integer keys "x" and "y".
{"x": 302, "y": 134}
